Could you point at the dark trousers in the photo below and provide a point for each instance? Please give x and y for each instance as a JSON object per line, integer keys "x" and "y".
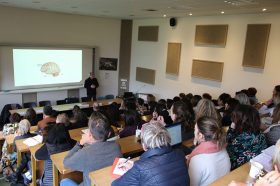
{"x": 92, "y": 97}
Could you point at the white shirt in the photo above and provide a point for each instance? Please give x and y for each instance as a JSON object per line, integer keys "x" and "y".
{"x": 206, "y": 168}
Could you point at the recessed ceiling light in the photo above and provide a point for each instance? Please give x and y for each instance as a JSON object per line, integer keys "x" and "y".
{"x": 190, "y": 14}
{"x": 222, "y": 12}
{"x": 264, "y": 9}
{"x": 225, "y": 1}
{"x": 164, "y": 15}
{"x": 36, "y": 2}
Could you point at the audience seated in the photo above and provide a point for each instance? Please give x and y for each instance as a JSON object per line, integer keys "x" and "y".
{"x": 243, "y": 98}
{"x": 159, "y": 164}
{"x": 57, "y": 139}
{"x": 222, "y": 100}
{"x": 79, "y": 118}
{"x": 252, "y": 91}
{"x": 113, "y": 113}
{"x": 140, "y": 107}
{"x": 31, "y": 116}
{"x": 22, "y": 133}
{"x": 182, "y": 95}
{"x": 194, "y": 101}
{"x": 206, "y": 107}
{"x": 244, "y": 137}
{"x": 229, "y": 108}
{"x": 132, "y": 121}
{"x": 272, "y": 132}
{"x": 63, "y": 118}
{"x": 48, "y": 117}
{"x": 93, "y": 152}
{"x": 206, "y": 96}
{"x": 182, "y": 113}
{"x": 161, "y": 114}
{"x": 209, "y": 153}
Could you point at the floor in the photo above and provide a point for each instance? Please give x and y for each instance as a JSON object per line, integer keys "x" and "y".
{"x": 3, "y": 182}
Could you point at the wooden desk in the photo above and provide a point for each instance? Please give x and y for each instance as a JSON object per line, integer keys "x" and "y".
{"x": 66, "y": 107}
{"x": 102, "y": 177}
{"x": 33, "y": 163}
{"x": 240, "y": 174}
{"x": 129, "y": 145}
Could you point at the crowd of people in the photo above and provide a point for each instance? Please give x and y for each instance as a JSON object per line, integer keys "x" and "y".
{"x": 228, "y": 131}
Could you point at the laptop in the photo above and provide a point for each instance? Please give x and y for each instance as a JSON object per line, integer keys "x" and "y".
{"x": 175, "y": 132}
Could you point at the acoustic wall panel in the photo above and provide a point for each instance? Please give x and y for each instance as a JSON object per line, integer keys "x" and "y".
{"x": 256, "y": 45}
{"x": 173, "y": 58}
{"x": 145, "y": 75}
{"x": 210, "y": 70}
{"x": 211, "y": 35}
{"x": 148, "y": 33}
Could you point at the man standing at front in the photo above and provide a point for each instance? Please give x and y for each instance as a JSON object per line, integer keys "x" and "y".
{"x": 91, "y": 84}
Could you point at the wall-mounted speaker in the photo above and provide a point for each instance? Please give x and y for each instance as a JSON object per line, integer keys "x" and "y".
{"x": 172, "y": 21}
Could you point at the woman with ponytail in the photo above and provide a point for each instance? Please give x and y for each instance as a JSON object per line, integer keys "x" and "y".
{"x": 209, "y": 152}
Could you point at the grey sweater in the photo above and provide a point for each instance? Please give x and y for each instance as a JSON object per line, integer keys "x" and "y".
{"x": 91, "y": 158}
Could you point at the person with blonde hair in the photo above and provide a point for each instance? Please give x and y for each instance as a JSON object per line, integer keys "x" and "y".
{"x": 206, "y": 107}
{"x": 209, "y": 152}
{"x": 243, "y": 98}
{"x": 159, "y": 164}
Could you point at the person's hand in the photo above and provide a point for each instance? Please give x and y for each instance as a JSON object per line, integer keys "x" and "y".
{"x": 270, "y": 179}
{"x": 232, "y": 125}
{"x": 160, "y": 119}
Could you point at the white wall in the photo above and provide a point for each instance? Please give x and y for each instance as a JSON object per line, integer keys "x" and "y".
{"x": 24, "y": 26}
{"x": 235, "y": 77}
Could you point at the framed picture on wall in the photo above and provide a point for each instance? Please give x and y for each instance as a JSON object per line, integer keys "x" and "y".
{"x": 108, "y": 64}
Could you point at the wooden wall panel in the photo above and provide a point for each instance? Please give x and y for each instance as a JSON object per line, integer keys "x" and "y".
{"x": 213, "y": 35}
{"x": 145, "y": 75}
{"x": 173, "y": 58}
{"x": 210, "y": 70}
{"x": 256, "y": 45}
{"x": 148, "y": 33}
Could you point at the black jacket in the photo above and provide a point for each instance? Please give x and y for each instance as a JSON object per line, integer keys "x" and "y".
{"x": 157, "y": 167}
{"x": 88, "y": 83}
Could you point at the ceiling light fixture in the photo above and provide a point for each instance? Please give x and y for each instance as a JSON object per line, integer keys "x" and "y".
{"x": 222, "y": 12}
{"x": 264, "y": 9}
{"x": 164, "y": 15}
{"x": 190, "y": 14}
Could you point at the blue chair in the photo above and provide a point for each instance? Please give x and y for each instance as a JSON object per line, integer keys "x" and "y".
{"x": 72, "y": 100}
{"x": 100, "y": 97}
{"x": 109, "y": 96}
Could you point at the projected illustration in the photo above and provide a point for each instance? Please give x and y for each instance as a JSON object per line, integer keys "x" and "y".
{"x": 50, "y": 68}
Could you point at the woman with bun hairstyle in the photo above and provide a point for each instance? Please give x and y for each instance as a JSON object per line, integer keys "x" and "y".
{"x": 209, "y": 152}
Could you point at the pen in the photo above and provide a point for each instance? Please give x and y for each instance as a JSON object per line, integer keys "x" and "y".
{"x": 127, "y": 159}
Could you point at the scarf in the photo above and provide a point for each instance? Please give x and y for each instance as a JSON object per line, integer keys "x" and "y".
{"x": 205, "y": 147}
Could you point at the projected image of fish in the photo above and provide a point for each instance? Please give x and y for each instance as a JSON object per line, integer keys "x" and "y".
{"x": 50, "y": 68}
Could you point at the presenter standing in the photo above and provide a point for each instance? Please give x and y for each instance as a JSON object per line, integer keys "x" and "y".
{"x": 91, "y": 84}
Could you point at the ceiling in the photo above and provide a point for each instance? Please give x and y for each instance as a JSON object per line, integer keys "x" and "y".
{"x": 138, "y": 9}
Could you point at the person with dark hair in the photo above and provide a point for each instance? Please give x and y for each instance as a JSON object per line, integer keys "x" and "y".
{"x": 79, "y": 118}
{"x": 47, "y": 118}
{"x": 244, "y": 137}
{"x": 63, "y": 118}
{"x": 140, "y": 107}
{"x": 31, "y": 116}
{"x": 182, "y": 95}
{"x": 169, "y": 103}
{"x": 151, "y": 106}
{"x": 222, "y": 100}
{"x": 189, "y": 96}
{"x": 15, "y": 118}
{"x": 252, "y": 91}
{"x": 93, "y": 152}
{"x": 91, "y": 84}
{"x": 113, "y": 113}
{"x": 184, "y": 114}
{"x": 194, "y": 101}
{"x": 209, "y": 152}
{"x": 57, "y": 139}
{"x": 229, "y": 108}
{"x": 132, "y": 122}
{"x": 207, "y": 96}
{"x": 159, "y": 165}
{"x": 161, "y": 114}
{"x": 176, "y": 98}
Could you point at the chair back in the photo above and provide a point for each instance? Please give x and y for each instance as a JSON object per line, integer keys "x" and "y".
{"x": 85, "y": 99}
{"x": 45, "y": 103}
{"x": 29, "y": 105}
{"x": 60, "y": 102}
{"x": 109, "y": 96}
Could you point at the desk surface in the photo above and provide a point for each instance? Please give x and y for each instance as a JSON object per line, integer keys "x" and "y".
{"x": 34, "y": 149}
{"x": 65, "y": 107}
{"x": 57, "y": 160}
{"x": 103, "y": 177}
{"x": 240, "y": 174}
